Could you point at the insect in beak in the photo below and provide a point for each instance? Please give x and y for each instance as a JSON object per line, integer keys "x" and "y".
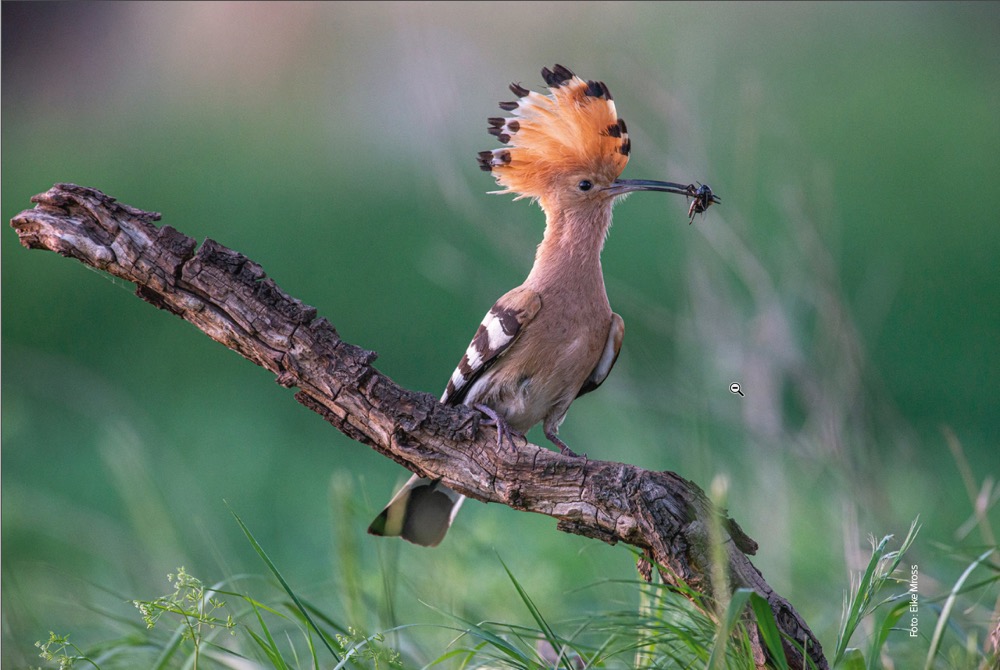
{"x": 703, "y": 199}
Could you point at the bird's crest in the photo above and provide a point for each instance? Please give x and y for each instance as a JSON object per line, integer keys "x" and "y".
{"x": 574, "y": 129}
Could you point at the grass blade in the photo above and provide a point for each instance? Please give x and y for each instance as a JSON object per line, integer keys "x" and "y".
{"x": 768, "y": 630}
{"x": 737, "y": 603}
{"x": 281, "y": 580}
{"x": 888, "y": 624}
{"x": 268, "y": 646}
{"x": 543, "y": 625}
{"x": 859, "y": 605}
{"x": 949, "y": 604}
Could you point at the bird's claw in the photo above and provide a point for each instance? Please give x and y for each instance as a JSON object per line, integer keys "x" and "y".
{"x": 563, "y": 447}
{"x": 504, "y": 431}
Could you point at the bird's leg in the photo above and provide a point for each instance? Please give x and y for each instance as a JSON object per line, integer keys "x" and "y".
{"x": 504, "y": 431}
{"x": 563, "y": 447}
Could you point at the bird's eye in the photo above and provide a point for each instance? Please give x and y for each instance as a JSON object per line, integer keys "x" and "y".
{"x": 585, "y": 185}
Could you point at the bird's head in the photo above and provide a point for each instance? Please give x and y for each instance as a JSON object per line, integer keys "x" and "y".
{"x": 566, "y": 149}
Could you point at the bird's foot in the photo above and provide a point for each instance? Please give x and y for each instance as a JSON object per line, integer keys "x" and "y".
{"x": 504, "y": 431}
{"x": 563, "y": 447}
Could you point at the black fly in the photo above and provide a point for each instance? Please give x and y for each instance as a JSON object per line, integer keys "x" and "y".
{"x": 703, "y": 198}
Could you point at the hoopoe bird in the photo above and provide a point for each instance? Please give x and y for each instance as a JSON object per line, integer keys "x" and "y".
{"x": 553, "y": 338}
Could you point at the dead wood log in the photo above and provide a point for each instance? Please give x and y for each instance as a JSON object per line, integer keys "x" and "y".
{"x": 231, "y": 299}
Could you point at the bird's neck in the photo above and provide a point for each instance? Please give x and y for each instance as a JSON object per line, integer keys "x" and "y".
{"x": 571, "y": 250}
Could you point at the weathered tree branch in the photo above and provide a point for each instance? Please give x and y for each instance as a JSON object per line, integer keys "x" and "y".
{"x": 230, "y": 298}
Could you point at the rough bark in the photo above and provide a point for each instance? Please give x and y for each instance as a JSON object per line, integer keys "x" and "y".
{"x": 229, "y": 298}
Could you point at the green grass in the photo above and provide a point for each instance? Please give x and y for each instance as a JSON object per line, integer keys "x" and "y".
{"x": 264, "y": 620}
{"x": 861, "y": 602}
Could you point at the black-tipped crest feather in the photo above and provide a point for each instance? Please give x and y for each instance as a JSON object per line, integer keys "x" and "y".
{"x": 574, "y": 127}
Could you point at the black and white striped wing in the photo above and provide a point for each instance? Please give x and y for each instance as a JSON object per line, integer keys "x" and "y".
{"x": 498, "y": 331}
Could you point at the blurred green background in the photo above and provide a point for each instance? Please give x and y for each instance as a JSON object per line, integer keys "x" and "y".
{"x": 849, "y": 282}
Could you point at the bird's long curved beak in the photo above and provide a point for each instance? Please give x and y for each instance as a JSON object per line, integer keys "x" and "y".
{"x": 623, "y": 186}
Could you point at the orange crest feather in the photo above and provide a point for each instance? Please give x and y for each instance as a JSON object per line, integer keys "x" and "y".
{"x": 574, "y": 130}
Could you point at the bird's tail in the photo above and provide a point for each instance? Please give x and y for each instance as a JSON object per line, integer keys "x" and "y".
{"x": 421, "y": 512}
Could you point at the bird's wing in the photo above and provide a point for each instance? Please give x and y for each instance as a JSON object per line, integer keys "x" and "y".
{"x": 608, "y": 356}
{"x": 499, "y": 329}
